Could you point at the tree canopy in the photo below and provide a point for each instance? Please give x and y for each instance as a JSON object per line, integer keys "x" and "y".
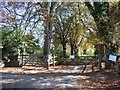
{"x": 69, "y": 28}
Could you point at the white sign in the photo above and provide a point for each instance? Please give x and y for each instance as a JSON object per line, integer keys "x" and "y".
{"x": 72, "y": 56}
{"x": 112, "y": 58}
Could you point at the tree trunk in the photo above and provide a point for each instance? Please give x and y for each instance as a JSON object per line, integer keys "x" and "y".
{"x": 47, "y": 42}
{"x": 47, "y": 33}
{"x": 102, "y": 25}
{"x": 72, "y": 49}
{"x": 46, "y": 50}
{"x": 64, "y": 49}
{"x": 76, "y": 52}
{"x": 100, "y": 56}
{"x": 107, "y": 62}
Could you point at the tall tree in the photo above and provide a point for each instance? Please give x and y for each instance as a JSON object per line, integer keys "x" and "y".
{"x": 47, "y": 18}
{"x": 62, "y": 25}
{"x": 100, "y": 13}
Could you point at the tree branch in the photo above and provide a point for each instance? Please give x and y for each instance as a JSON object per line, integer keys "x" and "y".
{"x": 90, "y": 7}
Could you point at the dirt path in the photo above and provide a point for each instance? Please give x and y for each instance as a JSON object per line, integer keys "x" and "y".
{"x": 59, "y": 77}
{"x": 22, "y": 78}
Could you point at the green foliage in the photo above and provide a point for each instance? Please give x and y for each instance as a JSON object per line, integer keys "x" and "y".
{"x": 12, "y": 39}
{"x": 30, "y": 44}
{"x": 90, "y": 51}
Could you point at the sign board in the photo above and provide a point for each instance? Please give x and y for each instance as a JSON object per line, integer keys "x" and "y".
{"x": 112, "y": 58}
{"x": 72, "y": 56}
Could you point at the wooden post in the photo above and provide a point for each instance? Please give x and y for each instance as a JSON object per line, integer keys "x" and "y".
{"x": 22, "y": 59}
{"x": 53, "y": 60}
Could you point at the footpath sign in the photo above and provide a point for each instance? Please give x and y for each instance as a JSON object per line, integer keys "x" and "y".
{"x": 72, "y": 56}
{"x": 112, "y": 58}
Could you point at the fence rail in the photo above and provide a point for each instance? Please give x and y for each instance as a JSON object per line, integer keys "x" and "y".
{"x": 34, "y": 60}
{"x": 30, "y": 59}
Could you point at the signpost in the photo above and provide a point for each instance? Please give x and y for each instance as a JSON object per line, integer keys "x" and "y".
{"x": 112, "y": 58}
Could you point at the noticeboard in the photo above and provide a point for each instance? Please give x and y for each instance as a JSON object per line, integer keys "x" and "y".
{"x": 112, "y": 57}
{"x": 72, "y": 56}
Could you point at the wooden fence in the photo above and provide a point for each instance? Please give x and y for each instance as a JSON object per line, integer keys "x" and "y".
{"x": 81, "y": 60}
{"x": 29, "y": 59}
{"x": 34, "y": 60}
